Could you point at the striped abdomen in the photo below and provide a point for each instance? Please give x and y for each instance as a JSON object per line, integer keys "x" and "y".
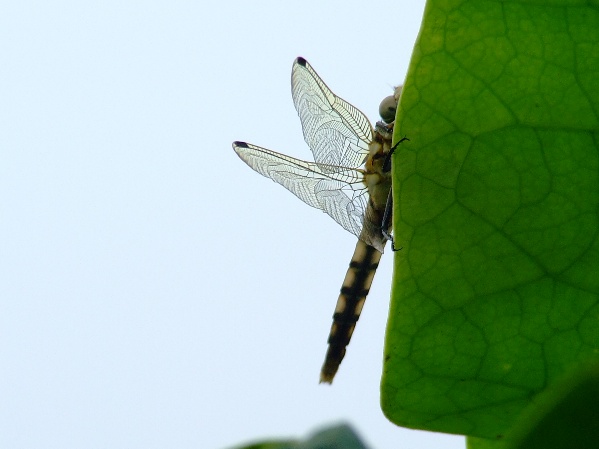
{"x": 354, "y": 290}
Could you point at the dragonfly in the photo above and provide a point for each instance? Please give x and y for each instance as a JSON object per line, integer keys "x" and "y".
{"x": 342, "y": 140}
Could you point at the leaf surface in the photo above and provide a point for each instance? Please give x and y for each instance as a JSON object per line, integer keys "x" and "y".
{"x": 495, "y": 292}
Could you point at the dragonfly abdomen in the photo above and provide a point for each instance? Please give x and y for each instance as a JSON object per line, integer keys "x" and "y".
{"x": 354, "y": 290}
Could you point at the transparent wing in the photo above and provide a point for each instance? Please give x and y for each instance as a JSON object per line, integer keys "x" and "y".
{"x": 338, "y": 191}
{"x": 337, "y": 132}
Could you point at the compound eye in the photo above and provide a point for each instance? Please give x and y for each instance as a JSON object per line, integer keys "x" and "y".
{"x": 387, "y": 109}
{"x": 397, "y": 92}
{"x": 389, "y": 105}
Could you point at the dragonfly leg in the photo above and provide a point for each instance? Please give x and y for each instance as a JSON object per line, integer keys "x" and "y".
{"x": 386, "y": 224}
{"x": 387, "y": 163}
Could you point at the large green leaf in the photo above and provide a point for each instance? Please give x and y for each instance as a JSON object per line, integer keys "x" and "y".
{"x": 495, "y": 292}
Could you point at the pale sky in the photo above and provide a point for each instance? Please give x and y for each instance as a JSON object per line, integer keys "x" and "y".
{"x": 156, "y": 292}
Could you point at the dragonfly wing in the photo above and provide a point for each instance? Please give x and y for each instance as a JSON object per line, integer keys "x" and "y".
{"x": 337, "y": 132}
{"x": 338, "y": 191}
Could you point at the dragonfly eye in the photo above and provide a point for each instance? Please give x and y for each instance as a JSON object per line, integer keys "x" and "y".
{"x": 387, "y": 109}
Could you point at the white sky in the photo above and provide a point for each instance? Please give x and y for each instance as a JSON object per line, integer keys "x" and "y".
{"x": 156, "y": 292}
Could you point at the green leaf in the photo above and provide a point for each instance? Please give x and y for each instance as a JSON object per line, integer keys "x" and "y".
{"x": 495, "y": 292}
{"x": 566, "y": 417}
{"x": 481, "y": 443}
{"x": 339, "y": 436}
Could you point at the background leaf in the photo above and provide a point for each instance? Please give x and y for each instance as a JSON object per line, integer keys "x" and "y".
{"x": 495, "y": 290}
{"x": 333, "y": 437}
